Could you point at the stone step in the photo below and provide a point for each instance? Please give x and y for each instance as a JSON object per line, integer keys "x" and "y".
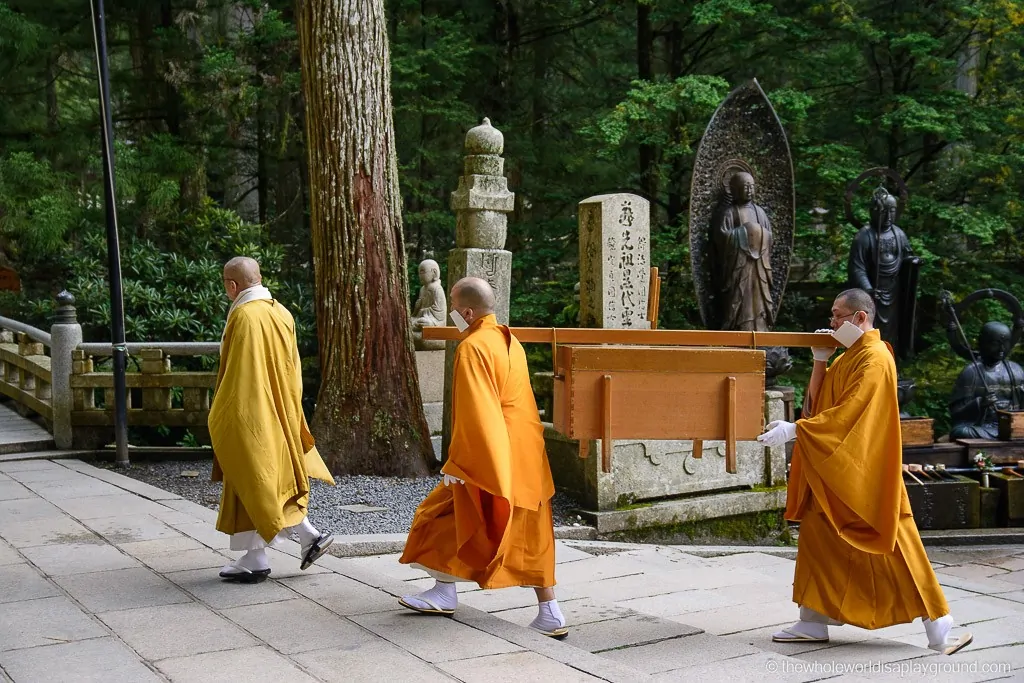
{"x": 18, "y": 447}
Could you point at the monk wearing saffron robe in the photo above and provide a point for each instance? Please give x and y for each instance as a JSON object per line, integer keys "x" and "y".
{"x": 489, "y": 522}
{"x": 263, "y": 451}
{"x": 860, "y": 559}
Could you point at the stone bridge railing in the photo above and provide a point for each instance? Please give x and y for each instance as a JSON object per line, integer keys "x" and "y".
{"x": 77, "y": 401}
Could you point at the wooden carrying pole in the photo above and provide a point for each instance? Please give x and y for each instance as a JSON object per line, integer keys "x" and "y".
{"x": 582, "y": 335}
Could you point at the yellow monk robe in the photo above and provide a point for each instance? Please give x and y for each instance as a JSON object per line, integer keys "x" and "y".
{"x": 263, "y": 450}
{"x": 859, "y": 559}
{"x": 496, "y": 529}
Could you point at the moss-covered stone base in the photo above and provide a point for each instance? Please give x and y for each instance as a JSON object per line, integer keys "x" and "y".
{"x": 757, "y": 528}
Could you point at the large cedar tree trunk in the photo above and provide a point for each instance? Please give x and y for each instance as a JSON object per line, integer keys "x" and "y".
{"x": 368, "y": 417}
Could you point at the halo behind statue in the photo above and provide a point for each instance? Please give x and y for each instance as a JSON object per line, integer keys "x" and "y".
{"x": 1012, "y": 304}
{"x": 854, "y": 185}
{"x": 728, "y": 169}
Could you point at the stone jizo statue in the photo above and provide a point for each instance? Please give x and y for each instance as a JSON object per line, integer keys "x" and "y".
{"x": 991, "y": 383}
{"x": 431, "y": 306}
{"x": 881, "y": 263}
{"x": 741, "y": 235}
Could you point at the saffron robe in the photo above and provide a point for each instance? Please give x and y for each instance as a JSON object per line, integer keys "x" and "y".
{"x": 859, "y": 558}
{"x": 496, "y": 529}
{"x": 263, "y": 451}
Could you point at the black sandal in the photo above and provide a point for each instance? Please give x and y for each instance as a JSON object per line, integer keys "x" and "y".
{"x": 246, "y": 575}
{"x": 318, "y": 548}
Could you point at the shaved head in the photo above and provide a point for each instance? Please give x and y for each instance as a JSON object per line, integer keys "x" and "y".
{"x": 473, "y": 293}
{"x": 858, "y": 300}
{"x": 243, "y": 270}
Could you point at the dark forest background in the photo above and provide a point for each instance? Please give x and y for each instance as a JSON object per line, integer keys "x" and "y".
{"x": 592, "y": 97}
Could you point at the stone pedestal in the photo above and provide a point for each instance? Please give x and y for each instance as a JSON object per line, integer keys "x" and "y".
{"x": 652, "y": 473}
{"x": 430, "y": 368}
{"x": 615, "y": 261}
{"x": 481, "y": 203}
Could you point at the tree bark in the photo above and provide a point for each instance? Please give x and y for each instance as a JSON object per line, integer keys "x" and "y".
{"x": 369, "y": 418}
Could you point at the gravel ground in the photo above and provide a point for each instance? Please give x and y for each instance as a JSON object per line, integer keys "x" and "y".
{"x": 399, "y": 496}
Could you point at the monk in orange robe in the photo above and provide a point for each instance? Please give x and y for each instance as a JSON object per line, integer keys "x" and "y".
{"x": 860, "y": 559}
{"x": 489, "y": 522}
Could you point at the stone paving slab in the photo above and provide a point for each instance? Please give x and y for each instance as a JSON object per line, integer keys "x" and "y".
{"x": 123, "y": 529}
{"x": 30, "y": 623}
{"x": 625, "y": 632}
{"x": 12, "y": 490}
{"x": 103, "y": 660}
{"x": 369, "y": 661}
{"x": 341, "y": 594}
{"x": 101, "y": 580}
{"x": 518, "y": 667}
{"x": 45, "y": 531}
{"x": 8, "y": 555}
{"x": 253, "y": 665}
{"x": 432, "y": 639}
{"x": 180, "y": 630}
{"x": 576, "y": 612}
{"x": 298, "y": 625}
{"x": 121, "y": 589}
{"x": 78, "y": 558}
{"x": 750, "y": 668}
{"x": 23, "y": 582}
{"x": 680, "y": 653}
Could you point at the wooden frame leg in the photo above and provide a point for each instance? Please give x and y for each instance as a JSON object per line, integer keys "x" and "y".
{"x": 730, "y": 426}
{"x": 606, "y": 426}
{"x": 698, "y": 449}
{"x": 584, "y": 448}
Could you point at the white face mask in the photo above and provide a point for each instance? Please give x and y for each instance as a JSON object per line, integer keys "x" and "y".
{"x": 848, "y": 334}
{"x": 460, "y": 322}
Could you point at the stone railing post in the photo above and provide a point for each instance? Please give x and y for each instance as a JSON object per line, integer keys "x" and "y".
{"x": 65, "y": 336}
{"x": 775, "y": 460}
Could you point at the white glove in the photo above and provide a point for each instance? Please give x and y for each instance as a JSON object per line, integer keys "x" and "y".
{"x": 777, "y": 433}
{"x": 823, "y": 353}
{"x": 449, "y": 479}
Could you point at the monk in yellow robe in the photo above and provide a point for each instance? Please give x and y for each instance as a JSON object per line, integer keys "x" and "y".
{"x": 860, "y": 559}
{"x": 263, "y": 451}
{"x": 489, "y": 522}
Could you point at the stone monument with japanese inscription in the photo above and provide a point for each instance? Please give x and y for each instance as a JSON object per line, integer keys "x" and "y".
{"x": 740, "y": 243}
{"x": 481, "y": 203}
{"x": 615, "y": 261}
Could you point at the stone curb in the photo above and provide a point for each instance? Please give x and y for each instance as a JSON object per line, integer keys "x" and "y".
{"x": 696, "y": 550}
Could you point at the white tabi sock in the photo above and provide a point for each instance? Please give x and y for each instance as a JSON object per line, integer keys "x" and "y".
{"x": 808, "y": 614}
{"x": 938, "y": 630}
{"x": 442, "y": 596}
{"x": 306, "y": 532}
{"x": 549, "y": 617}
{"x": 254, "y": 561}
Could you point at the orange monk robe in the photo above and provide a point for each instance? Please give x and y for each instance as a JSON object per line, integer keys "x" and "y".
{"x": 859, "y": 559}
{"x": 263, "y": 450}
{"x": 496, "y": 529}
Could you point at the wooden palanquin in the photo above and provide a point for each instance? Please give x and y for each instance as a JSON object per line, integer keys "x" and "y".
{"x": 659, "y": 393}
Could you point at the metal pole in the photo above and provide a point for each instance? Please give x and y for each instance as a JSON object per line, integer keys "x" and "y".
{"x": 117, "y": 339}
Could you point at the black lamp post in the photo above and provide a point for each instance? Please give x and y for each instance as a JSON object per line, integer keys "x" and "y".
{"x": 117, "y": 341}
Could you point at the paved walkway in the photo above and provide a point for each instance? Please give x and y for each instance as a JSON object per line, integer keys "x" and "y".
{"x": 104, "y": 578}
{"x": 19, "y": 434}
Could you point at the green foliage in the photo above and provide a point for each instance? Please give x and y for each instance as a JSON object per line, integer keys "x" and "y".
{"x": 37, "y": 208}
{"x": 590, "y": 99}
